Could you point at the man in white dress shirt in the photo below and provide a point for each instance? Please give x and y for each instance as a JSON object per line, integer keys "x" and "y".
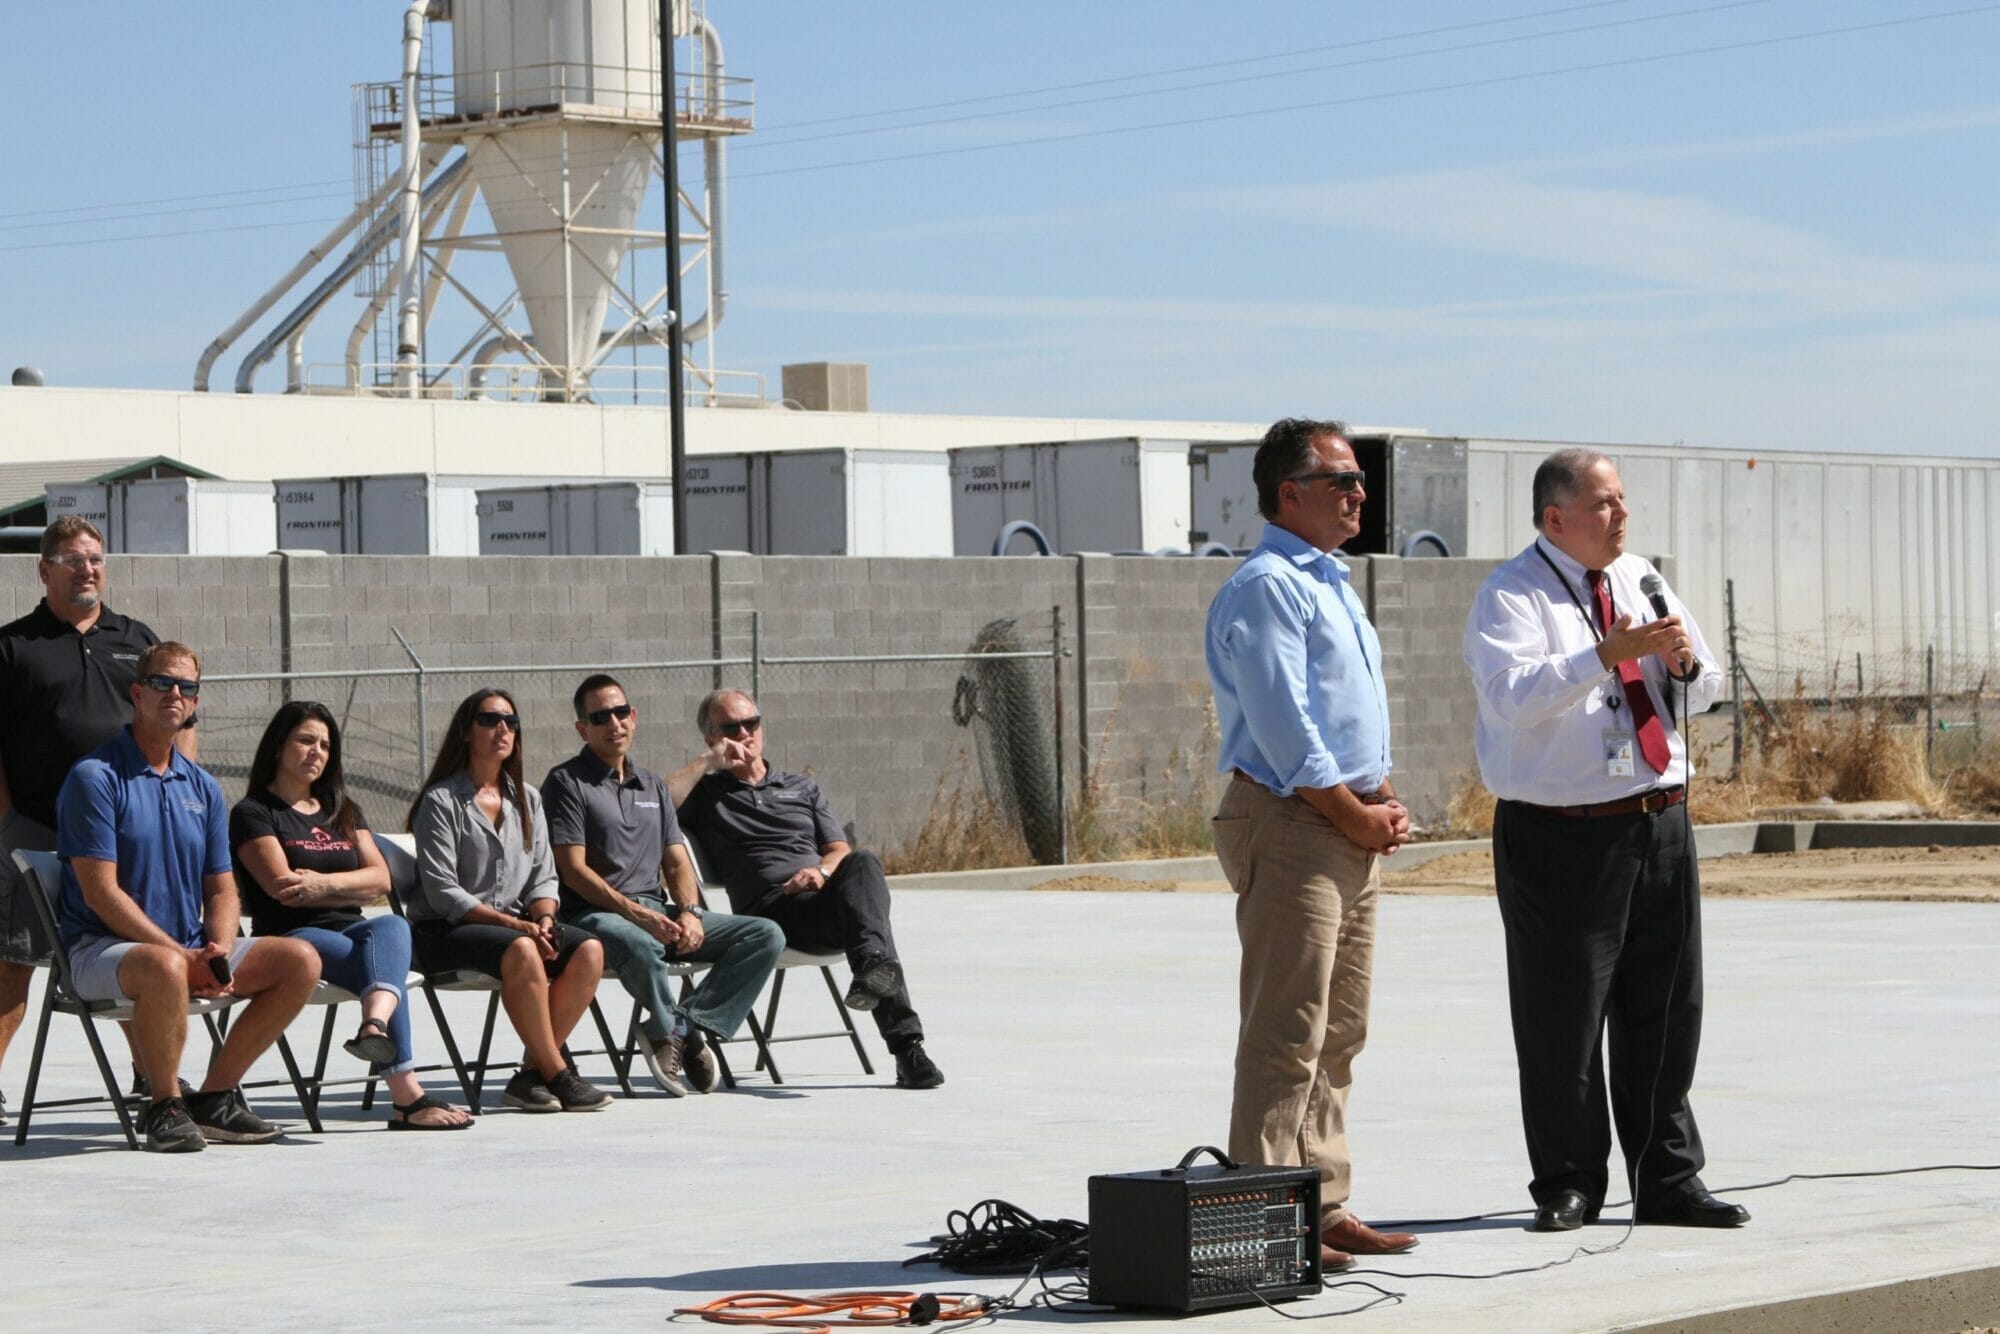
{"x": 1581, "y": 689}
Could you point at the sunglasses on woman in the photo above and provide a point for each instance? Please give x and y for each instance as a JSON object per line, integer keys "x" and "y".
{"x": 495, "y": 718}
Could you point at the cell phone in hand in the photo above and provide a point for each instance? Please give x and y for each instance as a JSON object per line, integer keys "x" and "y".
{"x": 219, "y": 965}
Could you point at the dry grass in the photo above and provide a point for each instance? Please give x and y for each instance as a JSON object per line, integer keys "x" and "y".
{"x": 1169, "y": 818}
{"x": 963, "y": 831}
{"x": 1468, "y": 811}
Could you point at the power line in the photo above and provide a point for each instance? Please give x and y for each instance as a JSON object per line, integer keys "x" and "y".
{"x": 169, "y": 212}
{"x": 172, "y": 199}
{"x": 1193, "y": 69}
{"x": 1389, "y": 95}
{"x": 1482, "y": 44}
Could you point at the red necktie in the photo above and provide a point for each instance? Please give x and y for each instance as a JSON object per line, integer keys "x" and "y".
{"x": 1652, "y": 735}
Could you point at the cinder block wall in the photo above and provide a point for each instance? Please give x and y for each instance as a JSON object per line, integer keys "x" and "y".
{"x": 882, "y": 738}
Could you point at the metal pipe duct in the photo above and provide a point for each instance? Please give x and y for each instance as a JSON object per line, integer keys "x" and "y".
{"x": 718, "y": 190}
{"x": 410, "y": 316}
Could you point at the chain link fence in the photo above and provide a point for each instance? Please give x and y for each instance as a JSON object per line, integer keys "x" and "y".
{"x": 1940, "y": 678}
{"x": 897, "y": 740}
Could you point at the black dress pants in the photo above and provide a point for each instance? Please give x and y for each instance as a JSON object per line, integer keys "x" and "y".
{"x": 1603, "y": 924}
{"x": 852, "y": 915}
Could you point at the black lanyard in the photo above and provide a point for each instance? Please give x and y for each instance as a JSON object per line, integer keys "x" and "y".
{"x": 1588, "y": 619}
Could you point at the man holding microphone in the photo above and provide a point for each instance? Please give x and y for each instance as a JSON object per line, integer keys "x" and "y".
{"x": 1593, "y": 850}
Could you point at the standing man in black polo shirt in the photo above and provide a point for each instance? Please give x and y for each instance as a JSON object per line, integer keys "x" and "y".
{"x": 66, "y": 672}
{"x": 772, "y": 840}
{"x": 613, "y": 833}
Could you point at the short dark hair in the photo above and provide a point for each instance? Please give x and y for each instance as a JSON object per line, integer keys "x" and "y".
{"x": 167, "y": 650}
{"x": 713, "y": 698}
{"x": 1287, "y": 451}
{"x": 591, "y": 685}
{"x": 1560, "y": 476}
{"x": 64, "y": 529}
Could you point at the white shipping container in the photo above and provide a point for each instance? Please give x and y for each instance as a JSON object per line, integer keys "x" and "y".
{"x": 585, "y": 519}
{"x": 821, "y": 502}
{"x": 173, "y": 516}
{"x": 1120, "y": 494}
{"x": 392, "y": 514}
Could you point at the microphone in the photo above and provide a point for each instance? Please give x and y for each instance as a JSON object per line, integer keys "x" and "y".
{"x": 1655, "y": 589}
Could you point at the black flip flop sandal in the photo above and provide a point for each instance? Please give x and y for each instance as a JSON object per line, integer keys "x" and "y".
{"x": 405, "y": 1111}
{"x": 372, "y": 1047}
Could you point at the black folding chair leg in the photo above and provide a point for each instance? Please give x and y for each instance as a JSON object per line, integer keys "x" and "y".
{"x": 465, "y": 1083}
{"x": 485, "y": 1048}
{"x": 35, "y": 1066}
{"x": 846, "y": 1020}
{"x": 761, "y": 1035}
{"x": 111, "y": 1088}
{"x": 610, "y": 1048}
{"x": 771, "y": 1019}
{"x": 308, "y": 1099}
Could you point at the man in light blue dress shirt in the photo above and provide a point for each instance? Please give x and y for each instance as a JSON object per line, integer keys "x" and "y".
{"x": 1297, "y": 671}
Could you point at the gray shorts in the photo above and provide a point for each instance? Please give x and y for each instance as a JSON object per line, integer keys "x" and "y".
{"x": 21, "y": 938}
{"x": 94, "y": 960}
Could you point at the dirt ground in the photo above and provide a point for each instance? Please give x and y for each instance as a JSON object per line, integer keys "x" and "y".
{"x": 1884, "y": 875}
{"x": 1894, "y": 875}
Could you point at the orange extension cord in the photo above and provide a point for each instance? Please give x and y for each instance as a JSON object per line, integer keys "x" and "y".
{"x": 850, "y": 1309}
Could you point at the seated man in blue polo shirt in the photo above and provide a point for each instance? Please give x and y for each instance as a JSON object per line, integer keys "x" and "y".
{"x": 149, "y": 911}
{"x": 771, "y": 838}
{"x": 613, "y": 833}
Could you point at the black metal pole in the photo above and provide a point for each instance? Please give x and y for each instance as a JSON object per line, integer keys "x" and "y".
{"x": 670, "y": 176}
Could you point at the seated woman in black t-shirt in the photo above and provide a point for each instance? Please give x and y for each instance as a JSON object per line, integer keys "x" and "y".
{"x": 305, "y": 863}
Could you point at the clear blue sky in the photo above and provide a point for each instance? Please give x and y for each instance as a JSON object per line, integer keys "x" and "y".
{"x": 1776, "y": 242}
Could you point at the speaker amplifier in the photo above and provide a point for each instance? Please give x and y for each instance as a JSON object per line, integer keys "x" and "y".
{"x": 1190, "y": 1238}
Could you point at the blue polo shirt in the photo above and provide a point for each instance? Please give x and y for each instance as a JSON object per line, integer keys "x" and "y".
{"x": 165, "y": 832}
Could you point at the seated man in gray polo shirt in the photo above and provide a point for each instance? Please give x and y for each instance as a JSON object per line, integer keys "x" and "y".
{"x": 612, "y": 828}
{"x": 771, "y": 838}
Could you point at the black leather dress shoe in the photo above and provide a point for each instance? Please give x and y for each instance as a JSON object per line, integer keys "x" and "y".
{"x": 1565, "y": 1211}
{"x": 1694, "y": 1208}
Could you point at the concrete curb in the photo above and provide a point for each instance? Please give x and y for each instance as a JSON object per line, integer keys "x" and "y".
{"x": 1960, "y": 1300}
{"x": 1711, "y": 840}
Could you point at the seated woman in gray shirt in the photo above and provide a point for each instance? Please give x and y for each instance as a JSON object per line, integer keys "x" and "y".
{"x": 489, "y": 898}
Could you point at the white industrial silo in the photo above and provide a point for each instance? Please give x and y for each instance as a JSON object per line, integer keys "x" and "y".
{"x": 549, "y": 116}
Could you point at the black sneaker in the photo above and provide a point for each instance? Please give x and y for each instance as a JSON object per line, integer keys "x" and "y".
{"x": 916, "y": 1070}
{"x": 527, "y": 1092}
{"x": 224, "y": 1118}
{"x": 169, "y": 1128}
{"x": 698, "y": 1064}
{"x": 143, "y": 1090}
{"x": 574, "y": 1093}
{"x": 876, "y": 980}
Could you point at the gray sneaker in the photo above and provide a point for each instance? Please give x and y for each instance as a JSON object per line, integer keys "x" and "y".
{"x": 698, "y": 1064}
{"x": 224, "y": 1118}
{"x": 574, "y": 1093}
{"x": 169, "y": 1128}
{"x": 663, "y": 1058}
{"x": 527, "y": 1092}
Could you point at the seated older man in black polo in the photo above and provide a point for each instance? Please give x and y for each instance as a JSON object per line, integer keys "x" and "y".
{"x": 772, "y": 841}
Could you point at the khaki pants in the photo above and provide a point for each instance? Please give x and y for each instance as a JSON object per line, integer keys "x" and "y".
{"x": 1305, "y": 912}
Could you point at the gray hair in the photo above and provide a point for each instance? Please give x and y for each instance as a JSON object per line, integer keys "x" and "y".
{"x": 713, "y": 698}
{"x": 1560, "y": 477}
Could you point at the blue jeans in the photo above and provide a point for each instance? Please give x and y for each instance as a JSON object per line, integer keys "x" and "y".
{"x": 742, "y": 951}
{"x": 371, "y": 955}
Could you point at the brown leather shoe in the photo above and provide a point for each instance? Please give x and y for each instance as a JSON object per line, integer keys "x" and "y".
{"x": 1356, "y": 1237}
{"x": 1332, "y": 1261}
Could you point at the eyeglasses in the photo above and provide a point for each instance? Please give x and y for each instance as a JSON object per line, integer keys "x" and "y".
{"x": 495, "y": 718}
{"x": 599, "y": 717}
{"x": 78, "y": 560}
{"x": 163, "y": 684}
{"x": 739, "y": 726}
{"x": 1348, "y": 480}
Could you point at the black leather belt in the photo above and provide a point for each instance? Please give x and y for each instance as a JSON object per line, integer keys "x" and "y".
{"x": 1646, "y": 803}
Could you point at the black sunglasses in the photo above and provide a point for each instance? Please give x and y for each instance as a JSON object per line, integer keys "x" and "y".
{"x": 599, "y": 717}
{"x": 494, "y": 718}
{"x": 739, "y": 726}
{"x": 1347, "y": 480}
{"x": 188, "y": 689}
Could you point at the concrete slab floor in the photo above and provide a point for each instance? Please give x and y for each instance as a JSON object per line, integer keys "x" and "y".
{"x": 1080, "y": 1033}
